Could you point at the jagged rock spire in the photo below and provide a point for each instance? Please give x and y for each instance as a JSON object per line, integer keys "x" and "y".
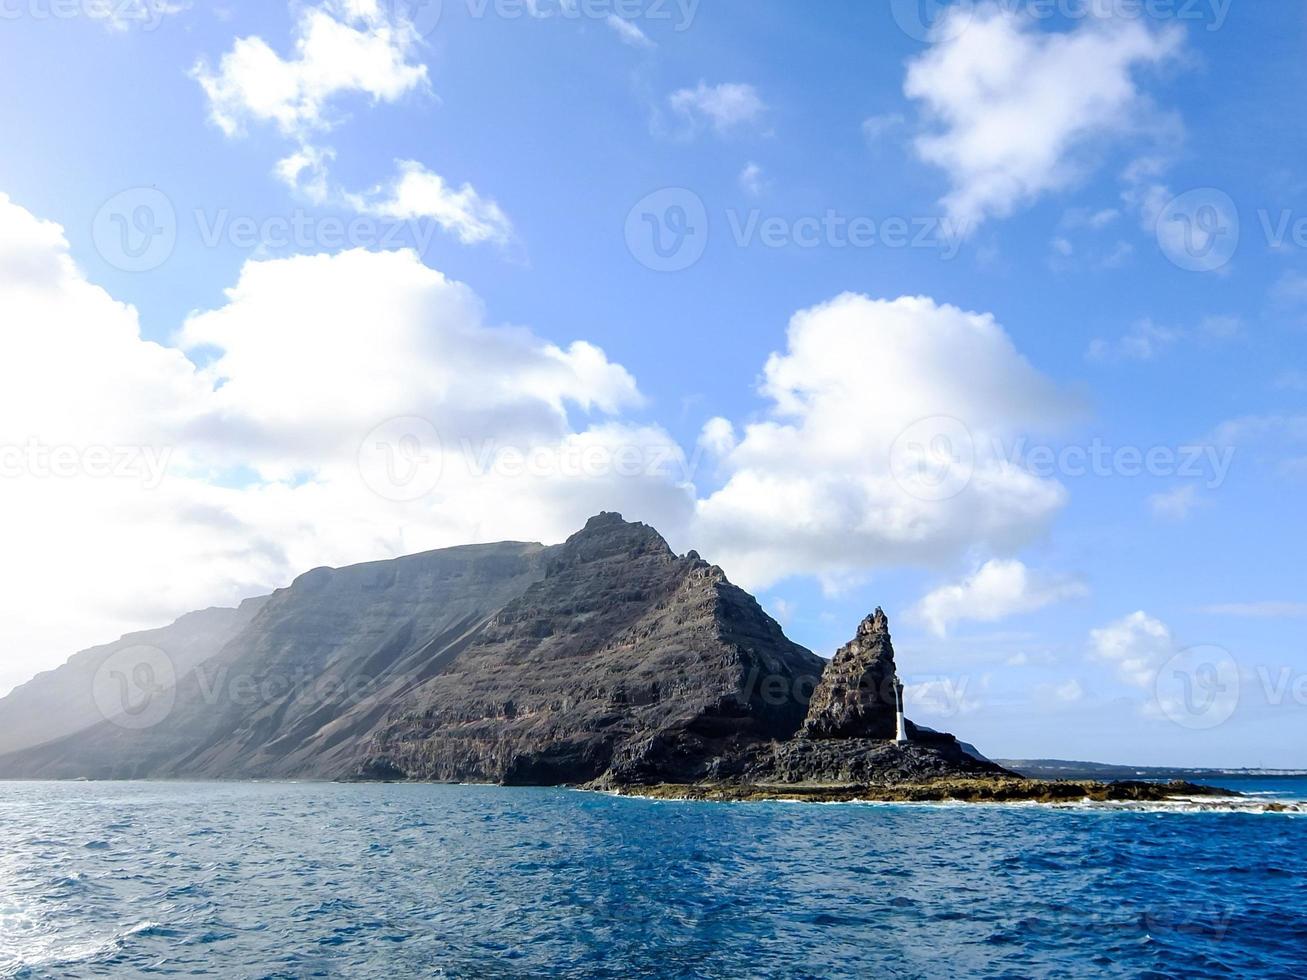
{"x": 856, "y": 696}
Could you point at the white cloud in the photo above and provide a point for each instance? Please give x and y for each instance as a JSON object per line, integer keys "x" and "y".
{"x": 1016, "y": 109}
{"x": 782, "y": 609}
{"x": 1145, "y": 341}
{"x": 1137, "y": 645}
{"x": 998, "y": 589}
{"x": 752, "y": 181}
{"x": 1148, "y": 340}
{"x": 876, "y": 129}
{"x": 629, "y": 32}
{"x": 813, "y": 488}
{"x": 418, "y": 193}
{"x": 1259, "y": 610}
{"x": 942, "y": 697}
{"x": 271, "y": 471}
{"x": 726, "y": 107}
{"x": 306, "y": 171}
{"x": 343, "y": 47}
{"x": 718, "y": 436}
{"x": 1175, "y": 505}
{"x": 1060, "y": 695}
{"x": 270, "y": 442}
{"x": 1275, "y": 439}
{"x": 1077, "y": 218}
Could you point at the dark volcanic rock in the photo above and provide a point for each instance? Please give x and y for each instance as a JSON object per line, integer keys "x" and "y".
{"x": 297, "y": 691}
{"x": 623, "y": 660}
{"x": 866, "y": 761}
{"x": 508, "y": 663}
{"x": 856, "y": 696}
{"x": 606, "y": 658}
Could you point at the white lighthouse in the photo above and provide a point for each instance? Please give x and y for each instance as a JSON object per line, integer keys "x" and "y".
{"x": 902, "y": 728}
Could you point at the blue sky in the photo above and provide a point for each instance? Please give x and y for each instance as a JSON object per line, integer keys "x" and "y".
{"x": 1077, "y": 237}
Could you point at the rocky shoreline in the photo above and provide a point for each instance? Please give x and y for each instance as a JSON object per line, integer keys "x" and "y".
{"x": 972, "y": 789}
{"x": 608, "y": 662}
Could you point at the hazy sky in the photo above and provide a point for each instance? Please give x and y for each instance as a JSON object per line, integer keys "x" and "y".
{"x": 993, "y": 315}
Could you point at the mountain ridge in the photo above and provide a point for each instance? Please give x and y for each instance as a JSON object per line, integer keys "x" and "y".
{"x": 607, "y": 659}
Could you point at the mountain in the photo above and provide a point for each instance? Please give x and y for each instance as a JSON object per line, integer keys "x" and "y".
{"x": 295, "y": 691}
{"x": 1066, "y": 769}
{"x": 605, "y": 659}
{"x": 63, "y": 701}
{"x": 623, "y": 659}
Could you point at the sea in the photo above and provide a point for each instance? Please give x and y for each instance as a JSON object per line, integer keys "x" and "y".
{"x": 391, "y": 881}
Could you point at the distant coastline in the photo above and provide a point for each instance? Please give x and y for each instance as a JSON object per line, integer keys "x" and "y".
{"x": 1067, "y": 769}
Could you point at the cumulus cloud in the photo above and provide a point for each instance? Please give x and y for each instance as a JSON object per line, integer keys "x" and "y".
{"x": 1060, "y": 695}
{"x": 139, "y": 485}
{"x": 417, "y": 193}
{"x": 629, "y": 32}
{"x": 343, "y": 47}
{"x": 337, "y": 408}
{"x": 1148, "y": 340}
{"x": 1175, "y": 505}
{"x": 881, "y": 446}
{"x": 726, "y": 107}
{"x": 997, "y": 590}
{"x": 1145, "y": 341}
{"x": 1136, "y": 645}
{"x": 752, "y": 181}
{"x": 1015, "y": 110}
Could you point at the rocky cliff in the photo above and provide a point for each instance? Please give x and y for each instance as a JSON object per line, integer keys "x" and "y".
{"x": 624, "y": 659}
{"x": 607, "y": 658}
{"x": 856, "y": 696}
{"x": 61, "y": 702}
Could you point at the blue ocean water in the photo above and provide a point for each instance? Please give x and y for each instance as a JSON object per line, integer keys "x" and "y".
{"x": 296, "y": 880}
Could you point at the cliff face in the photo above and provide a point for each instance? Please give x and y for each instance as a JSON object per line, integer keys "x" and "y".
{"x": 848, "y": 735}
{"x": 605, "y": 658}
{"x": 624, "y": 659}
{"x": 856, "y": 696}
{"x": 295, "y": 691}
{"x": 60, "y": 702}
{"x": 507, "y": 663}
